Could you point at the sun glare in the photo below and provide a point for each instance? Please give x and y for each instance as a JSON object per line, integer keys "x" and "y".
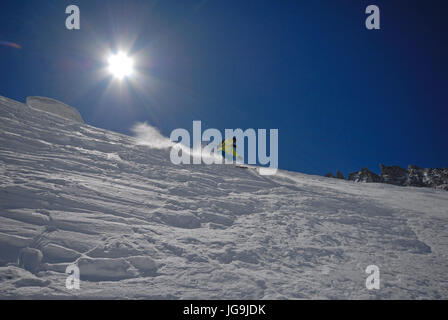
{"x": 120, "y": 65}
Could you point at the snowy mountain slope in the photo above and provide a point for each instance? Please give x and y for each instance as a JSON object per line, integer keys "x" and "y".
{"x": 55, "y": 107}
{"x": 141, "y": 227}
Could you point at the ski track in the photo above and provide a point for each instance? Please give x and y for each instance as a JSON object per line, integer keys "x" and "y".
{"x": 141, "y": 227}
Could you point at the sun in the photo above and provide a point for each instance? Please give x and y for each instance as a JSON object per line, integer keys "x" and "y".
{"x": 120, "y": 65}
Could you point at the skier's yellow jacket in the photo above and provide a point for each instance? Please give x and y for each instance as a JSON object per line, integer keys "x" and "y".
{"x": 228, "y": 147}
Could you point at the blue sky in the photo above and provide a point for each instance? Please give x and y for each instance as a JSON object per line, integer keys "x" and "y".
{"x": 342, "y": 97}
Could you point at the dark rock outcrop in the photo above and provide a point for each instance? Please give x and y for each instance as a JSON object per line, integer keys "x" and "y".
{"x": 364, "y": 175}
{"x": 394, "y": 175}
{"x": 428, "y": 177}
{"x": 416, "y": 176}
{"x": 413, "y": 176}
{"x": 339, "y": 175}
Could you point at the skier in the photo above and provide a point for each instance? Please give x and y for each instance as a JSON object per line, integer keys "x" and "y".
{"x": 228, "y": 148}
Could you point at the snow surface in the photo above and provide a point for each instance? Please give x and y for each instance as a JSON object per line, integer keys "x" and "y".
{"x": 140, "y": 227}
{"x": 55, "y": 107}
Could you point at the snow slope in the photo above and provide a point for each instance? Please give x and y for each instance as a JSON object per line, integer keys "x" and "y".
{"x": 140, "y": 227}
{"x": 55, "y": 107}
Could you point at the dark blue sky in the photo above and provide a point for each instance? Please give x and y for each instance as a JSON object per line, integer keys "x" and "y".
{"x": 342, "y": 97}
